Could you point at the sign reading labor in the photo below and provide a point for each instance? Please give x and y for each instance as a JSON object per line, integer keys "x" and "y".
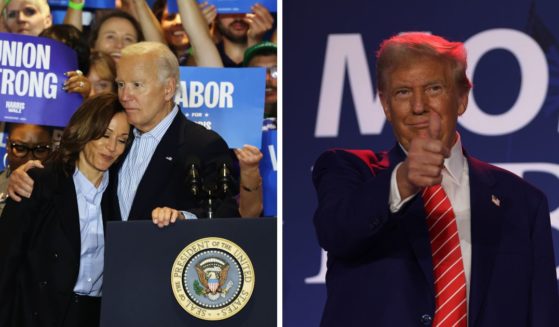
{"x": 31, "y": 80}
{"x": 229, "y": 101}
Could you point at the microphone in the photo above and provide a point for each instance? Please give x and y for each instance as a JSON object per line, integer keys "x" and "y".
{"x": 224, "y": 176}
{"x": 193, "y": 180}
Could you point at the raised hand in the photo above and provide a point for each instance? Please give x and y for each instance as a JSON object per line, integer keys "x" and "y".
{"x": 425, "y": 161}
{"x": 259, "y": 22}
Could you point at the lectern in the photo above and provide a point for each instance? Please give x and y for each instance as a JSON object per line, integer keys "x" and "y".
{"x": 212, "y": 272}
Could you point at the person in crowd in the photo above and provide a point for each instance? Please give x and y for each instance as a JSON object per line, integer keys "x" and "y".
{"x": 102, "y": 73}
{"x": 24, "y": 142}
{"x": 52, "y": 244}
{"x": 29, "y": 17}
{"x": 241, "y": 31}
{"x": 250, "y": 192}
{"x": 139, "y": 24}
{"x": 431, "y": 235}
{"x": 114, "y": 31}
{"x": 175, "y": 32}
{"x": 265, "y": 55}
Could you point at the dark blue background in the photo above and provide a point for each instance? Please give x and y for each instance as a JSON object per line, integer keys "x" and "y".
{"x": 497, "y": 79}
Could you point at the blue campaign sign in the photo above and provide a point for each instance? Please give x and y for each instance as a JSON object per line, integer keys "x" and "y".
{"x": 31, "y": 79}
{"x": 230, "y": 6}
{"x": 269, "y": 172}
{"x": 89, "y": 4}
{"x": 229, "y": 101}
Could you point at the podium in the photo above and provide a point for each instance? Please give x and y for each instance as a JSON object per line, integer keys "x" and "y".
{"x": 141, "y": 259}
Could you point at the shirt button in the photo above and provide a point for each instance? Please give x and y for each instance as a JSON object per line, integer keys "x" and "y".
{"x": 55, "y": 255}
{"x": 426, "y": 320}
{"x": 89, "y": 280}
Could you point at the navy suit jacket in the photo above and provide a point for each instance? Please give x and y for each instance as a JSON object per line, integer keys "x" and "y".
{"x": 164, "y": 181}
{"x": 40, "y": 251}
{"x": 380, "y": 270}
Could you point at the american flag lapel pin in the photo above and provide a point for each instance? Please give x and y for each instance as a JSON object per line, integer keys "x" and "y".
{"x": 495, "y": 200}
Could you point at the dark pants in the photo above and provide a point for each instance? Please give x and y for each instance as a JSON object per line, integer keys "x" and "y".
{"x": 84, "y": 311}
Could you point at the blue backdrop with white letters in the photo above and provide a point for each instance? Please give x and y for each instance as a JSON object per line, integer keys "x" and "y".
{"x": 330, "y": 101}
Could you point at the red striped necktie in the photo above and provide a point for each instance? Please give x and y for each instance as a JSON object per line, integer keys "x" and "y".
{"x": 448, "y": 267}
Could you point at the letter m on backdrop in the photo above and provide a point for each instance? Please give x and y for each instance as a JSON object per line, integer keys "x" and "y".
{"x": 346, "y": 53}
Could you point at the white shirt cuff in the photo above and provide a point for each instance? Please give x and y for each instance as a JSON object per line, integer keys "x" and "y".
{"x": 394, "y": 199}
{"x": 189, "y": 215}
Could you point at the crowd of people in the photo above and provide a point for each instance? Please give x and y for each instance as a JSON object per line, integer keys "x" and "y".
{"x": 124, "y": 154}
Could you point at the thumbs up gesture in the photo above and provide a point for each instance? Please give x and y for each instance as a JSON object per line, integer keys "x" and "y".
{"x": 424, "y": 164}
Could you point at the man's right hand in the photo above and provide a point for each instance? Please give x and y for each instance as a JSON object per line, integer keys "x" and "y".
{"x": 19, "y": 183}
{"x": 425, "y": 161}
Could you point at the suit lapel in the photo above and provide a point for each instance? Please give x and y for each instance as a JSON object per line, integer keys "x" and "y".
{"x": 66, "y": 202}
{"x": 486, "y": 221}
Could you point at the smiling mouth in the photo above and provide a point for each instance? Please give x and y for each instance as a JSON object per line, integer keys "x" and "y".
{"x": 107, "y": 157}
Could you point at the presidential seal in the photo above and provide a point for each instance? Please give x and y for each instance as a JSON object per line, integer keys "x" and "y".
{"x": 212, "y": 278}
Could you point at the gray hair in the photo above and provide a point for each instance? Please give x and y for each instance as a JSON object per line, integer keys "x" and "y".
{"x": 167, "y": 62}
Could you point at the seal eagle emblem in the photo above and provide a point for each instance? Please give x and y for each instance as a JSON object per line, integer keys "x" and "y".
{"x": 212, "y": 278}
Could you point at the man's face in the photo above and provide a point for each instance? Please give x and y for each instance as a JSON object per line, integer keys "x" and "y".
{"x": 233, "y": 27}
{"x": 22, "y": 138}
{"x": 25, "y": 18}
{"x": 147, "y": 100}
{"x": 270, "y": 62}
{"x": 413, "y": 90}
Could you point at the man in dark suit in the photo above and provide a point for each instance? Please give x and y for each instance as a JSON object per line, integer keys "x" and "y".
{"x": 425, "y": 234}
{"x": 150, "y": 183}
{"x": 155, "y": 169}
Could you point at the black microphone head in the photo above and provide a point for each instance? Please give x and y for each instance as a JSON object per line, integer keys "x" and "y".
{"x": 224, "y": 169}
{"x": 193, "y": 181}
{"x": 192, "y": 160}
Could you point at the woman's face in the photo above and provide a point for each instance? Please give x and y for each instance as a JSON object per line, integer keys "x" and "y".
{"x": 173, "y": 30}
{"x": 99, "y": 85}
{"x": 98, "y": 155}
{"x": 115, "y": 34}
{"x": 25, "y": 18}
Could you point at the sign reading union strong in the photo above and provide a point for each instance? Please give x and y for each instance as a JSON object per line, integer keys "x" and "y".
{"x": 212, "y": 278}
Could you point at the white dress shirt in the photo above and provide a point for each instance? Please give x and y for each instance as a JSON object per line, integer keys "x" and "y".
{"x": 456, "y": 183}
{"x": 137, "y": 161}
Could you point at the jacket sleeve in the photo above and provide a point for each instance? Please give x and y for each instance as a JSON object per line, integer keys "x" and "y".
{"x": 16, "y": 225}
{"x": 353, "y": 209}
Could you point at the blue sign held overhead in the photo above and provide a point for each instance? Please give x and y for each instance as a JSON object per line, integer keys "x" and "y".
{"x": 230, "y": 6}
{"x": 229, "y": 101}
{"x": 31, "y": 80}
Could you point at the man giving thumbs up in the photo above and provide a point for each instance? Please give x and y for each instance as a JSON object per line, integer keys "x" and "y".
{"x": 425, "y": 234}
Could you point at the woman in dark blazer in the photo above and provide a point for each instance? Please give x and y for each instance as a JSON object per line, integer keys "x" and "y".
{"x": 52, "y": 244}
